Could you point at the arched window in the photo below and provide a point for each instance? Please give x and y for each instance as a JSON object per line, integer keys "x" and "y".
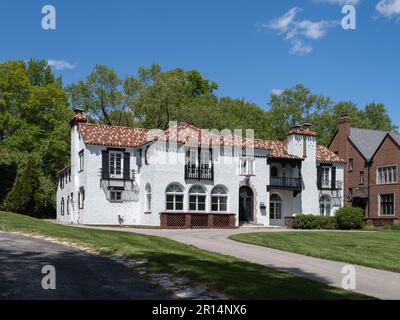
{"x": 275, "y": 207}
{"x": 274, "y": 172}
{"x": 68, "y": 205}
{"x": 62, "y": 206}
{"x": 325, "y": 204}
{"x": 148, "y": 198}
{"x": 219, "y": 199}
{"x": 174, "y": 197}
{"x": 197, "y": 198}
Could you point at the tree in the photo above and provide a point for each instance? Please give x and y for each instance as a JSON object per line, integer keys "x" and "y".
{"x": 33, "y": 115}
{"x": 299, "y": 104}
{"x": 24, "y": 197}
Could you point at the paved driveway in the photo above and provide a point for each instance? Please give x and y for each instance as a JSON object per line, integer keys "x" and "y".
{"x": 373, "y": 282}
{"x": 78, "y": 275}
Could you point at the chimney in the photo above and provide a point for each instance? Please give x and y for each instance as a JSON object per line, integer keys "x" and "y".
{"x": 344, "y": 124}
{"x": 79, "y": 117}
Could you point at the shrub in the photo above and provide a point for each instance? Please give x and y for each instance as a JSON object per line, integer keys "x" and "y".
{"x": 349, "y": 218}
{"x": 393, "y": 227}
{"x": 309, "y": 221}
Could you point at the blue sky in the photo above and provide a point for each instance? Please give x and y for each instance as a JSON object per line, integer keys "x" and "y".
{"x": 248, "y": 47}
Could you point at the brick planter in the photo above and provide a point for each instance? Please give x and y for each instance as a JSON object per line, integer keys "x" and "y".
{"x": 186, "y": 220}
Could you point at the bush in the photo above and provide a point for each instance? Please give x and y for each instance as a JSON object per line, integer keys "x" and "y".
{"x": 309, "y": 221}
{"x": 349, "y": 218}
{"x": 393, "y": 227}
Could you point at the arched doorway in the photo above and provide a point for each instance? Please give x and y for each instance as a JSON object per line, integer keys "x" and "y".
{"x": 245, "y": 204}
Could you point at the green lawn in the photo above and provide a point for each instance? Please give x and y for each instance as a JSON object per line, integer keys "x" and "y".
{"x": 233, "y": 276}
{"x": 379, "y": 249}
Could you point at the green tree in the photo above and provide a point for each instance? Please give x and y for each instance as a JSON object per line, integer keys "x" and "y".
{"x": 24, "y": 197}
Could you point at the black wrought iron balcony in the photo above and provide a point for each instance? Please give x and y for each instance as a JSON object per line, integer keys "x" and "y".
{"x": 285, "y": 182}
{"x": 199, "y": 172}
{"x": 331, "y": 185}
{"x": 115, "y": 175}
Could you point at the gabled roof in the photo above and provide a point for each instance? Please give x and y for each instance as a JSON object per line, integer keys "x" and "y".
{"x": 368, "y": 141}
{"x": 324, "y": 155}
{"x": 116, "y": 136}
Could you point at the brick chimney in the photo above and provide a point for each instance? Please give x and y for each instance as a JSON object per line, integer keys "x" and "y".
{"x": 79, "y": 117}
{"x": 344, "y": 124}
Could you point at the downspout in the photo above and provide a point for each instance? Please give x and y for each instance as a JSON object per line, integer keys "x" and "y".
{"x": 369, "y": 163}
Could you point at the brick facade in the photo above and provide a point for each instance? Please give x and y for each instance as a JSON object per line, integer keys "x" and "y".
{"x": 387, "y": 154}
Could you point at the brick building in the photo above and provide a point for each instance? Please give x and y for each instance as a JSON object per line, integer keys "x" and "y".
{"x": 371, "y": 179}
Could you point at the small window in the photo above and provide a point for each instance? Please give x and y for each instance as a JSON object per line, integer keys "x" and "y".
{"x": 361, "y": 177}
{"x": 116, "y": 195}
{"x": 247, "y": 166}
{"x": 81, "y": 160}
{"x": 68, "y": 205}
{"x": 350, "y": 164}
{"x": 197, "y": 198}
{"x": 350, "y": 194}
{"x": 62, "y": 206}
{"x": 62, "y": 181}
{"x": 386, "y": 204}
{"x": 148, "y": 198}
{"x": 326, "y": 177}
{"x": 81, "y": 197}
{"x": 274, "y": 172}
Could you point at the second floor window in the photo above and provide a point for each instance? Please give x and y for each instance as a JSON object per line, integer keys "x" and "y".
{"x": 387, "y": 175}
{"x": 325, "y": 177}
{"x": 247, "y": 166}
{"x": 81, "y": 160}
{"x": 116, "y": 164}
{"x": 350, "y": 165}
{"x": 361, "y": 177}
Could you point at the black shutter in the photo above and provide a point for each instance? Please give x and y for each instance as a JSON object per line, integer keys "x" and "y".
{"x": 105, "y": 170}
{"x": 319, "y": 177}
{"x": 139, "y": 158}
{"x": 127, "y": 165}
{"x": 333, "y": 181}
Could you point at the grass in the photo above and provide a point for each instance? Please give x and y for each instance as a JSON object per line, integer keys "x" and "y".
{"x": 377, "y": 249}
{"x": 235, "y": 277}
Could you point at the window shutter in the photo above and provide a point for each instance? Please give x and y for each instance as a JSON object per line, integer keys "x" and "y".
{"x": 127, "y": 165}
{"x": 333, "y": 181}
{"x": 105, "y": 170}
{"x": 319, "y": 177}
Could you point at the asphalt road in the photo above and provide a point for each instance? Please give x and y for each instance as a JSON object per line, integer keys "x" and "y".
{"x": 78, "y": 275}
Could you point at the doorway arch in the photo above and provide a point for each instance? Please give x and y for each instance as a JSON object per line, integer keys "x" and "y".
{"x": 246, "y": 204}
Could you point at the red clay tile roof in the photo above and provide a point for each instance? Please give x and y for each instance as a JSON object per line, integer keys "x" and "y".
{"x": 277, "y": 149}
{"x": 112, "y": 136}
{"x": 115, "y": 136}
{"x": 305, "y": 132}
{"x": 325, "y": 155}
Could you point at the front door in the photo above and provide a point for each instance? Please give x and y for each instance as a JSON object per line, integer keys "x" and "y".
{"x": 245, "y": 204}
{"x": 275, "y": 210}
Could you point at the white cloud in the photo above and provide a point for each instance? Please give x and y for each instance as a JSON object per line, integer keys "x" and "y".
{"x": 60, "y": 64}
{"x": 338, "y": 2}
{"x": 296, "y": 31}
{"x": 388, "y": 8}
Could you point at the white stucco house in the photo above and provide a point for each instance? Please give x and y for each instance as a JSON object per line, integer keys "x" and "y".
{"x": 186, "y": 177}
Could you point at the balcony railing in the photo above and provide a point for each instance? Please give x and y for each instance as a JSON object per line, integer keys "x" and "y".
{"x": 327, "y": 184}
{"x": 285, "y": 182}
{"x": 202, "y": 172}
{"x": 124, "y": 175}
